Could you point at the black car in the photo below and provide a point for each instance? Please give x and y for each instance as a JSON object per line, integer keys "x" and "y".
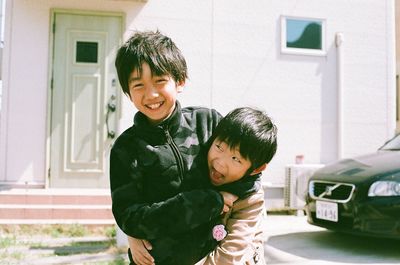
{"x": 359, "y": 195}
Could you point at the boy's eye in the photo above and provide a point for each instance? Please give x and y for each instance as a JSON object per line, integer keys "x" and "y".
{"x": 163, "y": 80}
{"x": 136, "y": 85}
{"x": 236, "y": 159}
{"x": 219, "y": 147}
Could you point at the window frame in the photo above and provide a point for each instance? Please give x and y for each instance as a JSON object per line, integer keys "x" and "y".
{"x": 303, "y": 51}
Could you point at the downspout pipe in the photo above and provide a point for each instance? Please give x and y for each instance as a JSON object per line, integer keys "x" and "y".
{"x": 339, "y": 77}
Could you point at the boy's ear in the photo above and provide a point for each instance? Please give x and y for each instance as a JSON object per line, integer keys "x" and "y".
{"x": 179, "y": 86}
{"x": 259, "y": 169}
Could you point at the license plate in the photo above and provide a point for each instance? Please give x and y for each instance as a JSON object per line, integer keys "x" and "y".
{"x": 327, "y": 211}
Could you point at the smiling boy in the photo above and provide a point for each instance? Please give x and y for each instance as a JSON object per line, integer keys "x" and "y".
{"x": 149, "y": 161}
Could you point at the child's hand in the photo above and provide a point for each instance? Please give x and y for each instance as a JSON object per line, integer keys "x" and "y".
{"x": 140, "y": 251}
{"x": 229, "y": 199}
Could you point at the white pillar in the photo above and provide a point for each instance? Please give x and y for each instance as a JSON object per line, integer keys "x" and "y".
{"x": 338, "y": 42}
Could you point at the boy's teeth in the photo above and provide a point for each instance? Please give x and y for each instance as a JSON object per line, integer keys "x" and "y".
{"x": 154, "y": 106}
{"x": 216, "y": 174}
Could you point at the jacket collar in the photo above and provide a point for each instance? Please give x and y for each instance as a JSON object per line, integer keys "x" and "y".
{"x": 244, "y": 186}
{"x": 171, "y": 124}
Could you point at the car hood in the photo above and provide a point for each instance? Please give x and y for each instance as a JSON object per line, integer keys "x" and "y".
{"x": 361, "y": 168}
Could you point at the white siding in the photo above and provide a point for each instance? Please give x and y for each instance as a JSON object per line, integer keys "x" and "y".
{"x": 2, "y": 5}
{"x": 233, "y": 53}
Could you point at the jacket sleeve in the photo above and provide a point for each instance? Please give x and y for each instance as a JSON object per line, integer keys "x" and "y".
{"x": 242, "y": 225}
{"x": 141, "y": 219}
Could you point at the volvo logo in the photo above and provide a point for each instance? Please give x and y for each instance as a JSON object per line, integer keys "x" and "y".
{"x": 328, "y": 190}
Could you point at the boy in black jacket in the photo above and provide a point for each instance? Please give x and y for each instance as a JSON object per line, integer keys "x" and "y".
{"x": 151, "y": 197}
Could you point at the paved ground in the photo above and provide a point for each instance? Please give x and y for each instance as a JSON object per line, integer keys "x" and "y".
{"x": 291, "y": 240}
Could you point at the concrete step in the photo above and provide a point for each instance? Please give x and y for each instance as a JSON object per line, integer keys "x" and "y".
{"x": 88, "y": 206}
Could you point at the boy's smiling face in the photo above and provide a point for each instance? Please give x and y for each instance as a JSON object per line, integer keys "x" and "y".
{"x": 154, "y": 96}
{"x": 225, "y": 165}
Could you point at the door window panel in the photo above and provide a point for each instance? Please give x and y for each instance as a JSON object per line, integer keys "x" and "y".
{"x": 86, "y": 52}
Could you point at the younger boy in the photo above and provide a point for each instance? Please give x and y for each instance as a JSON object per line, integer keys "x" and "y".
{"x": 243, "y": 143}
{"x": 249, "y": 135}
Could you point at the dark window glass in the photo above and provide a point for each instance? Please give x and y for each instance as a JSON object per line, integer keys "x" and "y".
{"x": 303, "y": 34}
{"x": 86, "y": 52}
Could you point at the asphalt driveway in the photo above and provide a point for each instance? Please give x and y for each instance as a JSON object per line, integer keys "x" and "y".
{"x": 291, "y": 240}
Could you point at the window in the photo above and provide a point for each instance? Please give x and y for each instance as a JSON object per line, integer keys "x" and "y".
{"x": 86, "y": 52}
{"x": 302, "y": 36}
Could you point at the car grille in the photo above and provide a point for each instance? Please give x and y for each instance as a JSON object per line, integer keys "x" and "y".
{"x": 330, "y": 191}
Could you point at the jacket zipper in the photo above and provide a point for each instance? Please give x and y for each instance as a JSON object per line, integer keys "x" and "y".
{"x": 176, "y": 152}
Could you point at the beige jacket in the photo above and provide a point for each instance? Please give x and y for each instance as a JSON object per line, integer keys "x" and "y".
{"x": 244, "y": 243}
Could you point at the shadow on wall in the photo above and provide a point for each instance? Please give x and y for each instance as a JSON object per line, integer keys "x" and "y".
{"x": 326, "y": 70}
{"x": 329, "y": 106}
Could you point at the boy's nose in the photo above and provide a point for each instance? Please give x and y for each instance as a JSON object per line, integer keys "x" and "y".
{"x": 151, "y": 92}
{"x": 219, "y": 164}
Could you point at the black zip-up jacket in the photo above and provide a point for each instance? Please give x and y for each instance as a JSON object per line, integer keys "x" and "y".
{"x": 147, "y": 175}
{"x": 155, "y": 197}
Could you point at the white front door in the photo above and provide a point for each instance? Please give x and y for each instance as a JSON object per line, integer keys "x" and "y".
{"x": 84, "y": 95}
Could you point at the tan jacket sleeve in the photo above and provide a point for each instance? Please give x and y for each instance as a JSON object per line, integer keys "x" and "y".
{"x": 243, "y": 225}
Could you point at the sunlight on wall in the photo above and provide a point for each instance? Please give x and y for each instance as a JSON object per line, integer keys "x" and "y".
{"x": 2, "y": 11}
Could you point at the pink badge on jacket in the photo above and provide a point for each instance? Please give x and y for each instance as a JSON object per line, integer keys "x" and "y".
{"x": 219, "y": 232}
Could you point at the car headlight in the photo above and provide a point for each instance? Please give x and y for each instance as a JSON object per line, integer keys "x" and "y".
{"x": 384, "y": 188}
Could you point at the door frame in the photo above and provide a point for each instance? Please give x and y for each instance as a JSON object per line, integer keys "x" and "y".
{"x": 397, "y": 105}
{"x": 51, "y": 56}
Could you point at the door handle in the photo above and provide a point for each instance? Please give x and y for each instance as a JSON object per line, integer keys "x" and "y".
{"x": 111, "y": 107}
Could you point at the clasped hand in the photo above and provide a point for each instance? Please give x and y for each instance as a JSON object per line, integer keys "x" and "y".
{"x": 140, "y": 251}
{"x": 229, "y": 199}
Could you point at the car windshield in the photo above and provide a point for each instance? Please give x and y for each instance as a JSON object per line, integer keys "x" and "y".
{"x": 393, "y": 144}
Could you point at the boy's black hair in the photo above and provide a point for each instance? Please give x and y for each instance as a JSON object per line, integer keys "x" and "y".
{"x": 250, "y": 130}
{"x": 153, "y": 48}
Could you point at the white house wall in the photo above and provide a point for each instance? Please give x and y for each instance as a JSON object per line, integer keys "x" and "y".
{"x": 26, "y": 81}
{"x": 234, "y": 59}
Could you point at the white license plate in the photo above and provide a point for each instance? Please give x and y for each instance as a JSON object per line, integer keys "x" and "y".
{"x": 327, "y": 211}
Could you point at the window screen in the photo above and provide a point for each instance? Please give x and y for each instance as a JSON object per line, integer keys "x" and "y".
{"x": 86, "y": 52}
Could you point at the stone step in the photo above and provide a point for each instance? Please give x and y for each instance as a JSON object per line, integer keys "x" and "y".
{"x": 56, "y": 206}
{"x": 55, "y": 196}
